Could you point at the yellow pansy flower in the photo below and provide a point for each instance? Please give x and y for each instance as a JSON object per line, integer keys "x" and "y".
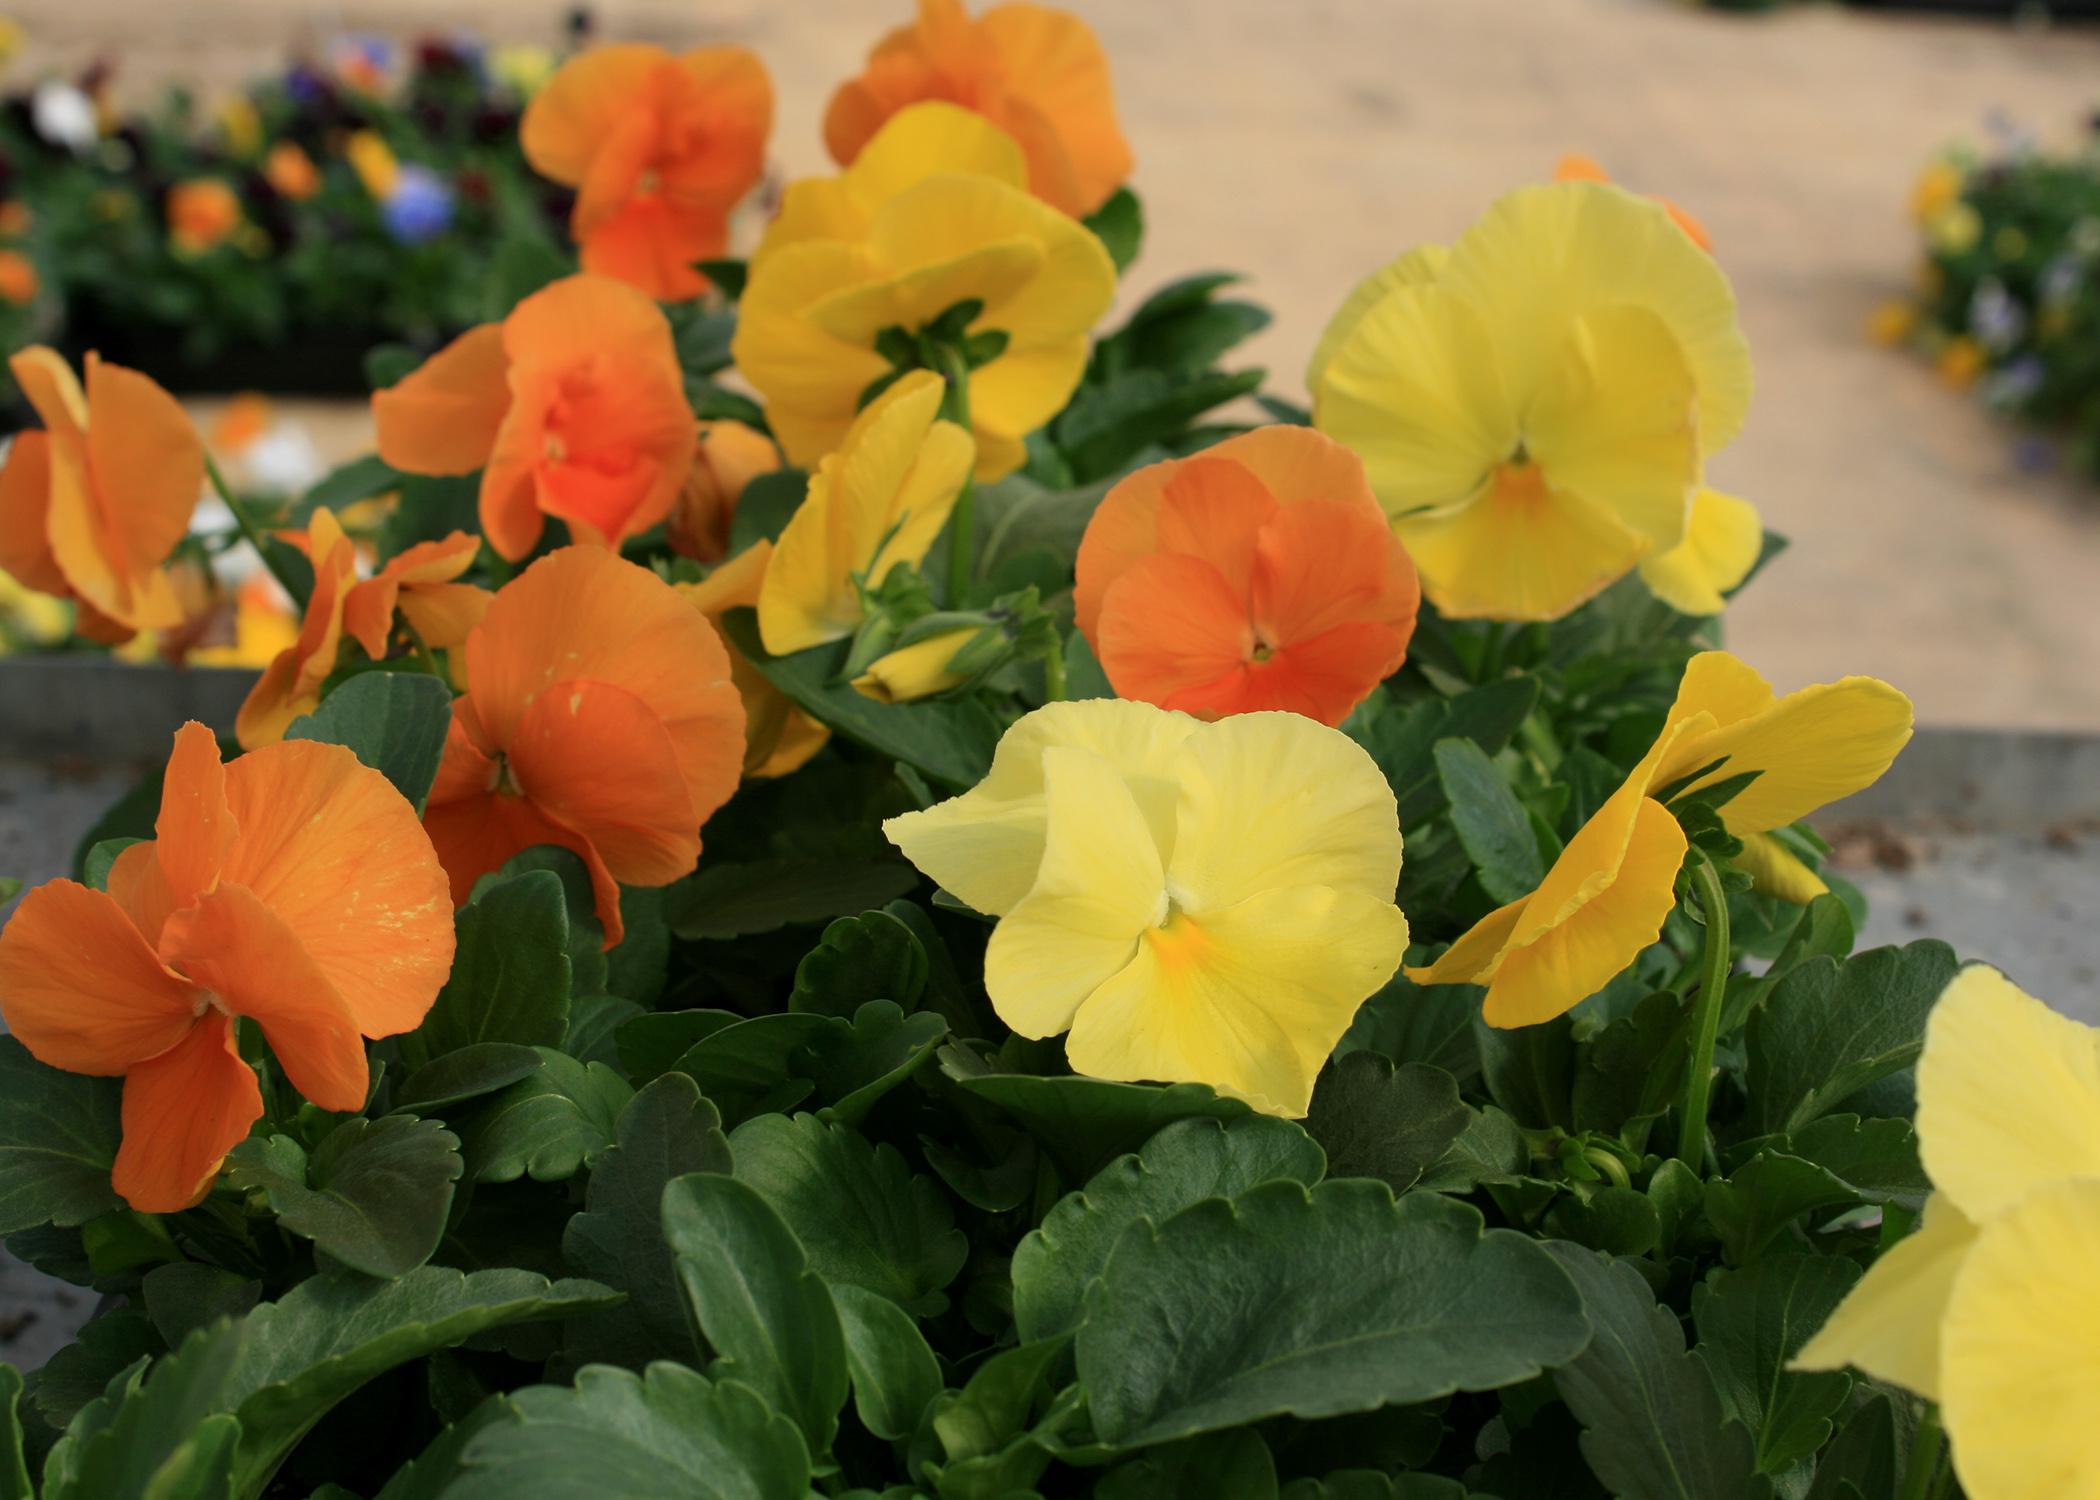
{"x": 881, "y": 499}
{"x": 1533, "y": 408}
{"x": 374, "y": 162}
{"x": 1192, "y": 902}
{"x": 1721, "y": 542}
{"x": 918, "y": 670}
{"x": 1606, "y": 897}
{"x": 1937, "y": 186}
{"x": 778, "y": 736}
{"x": 933, "y": 213}
{"x": 1991, "y": 1308}
{"x": 1961, "y": 362}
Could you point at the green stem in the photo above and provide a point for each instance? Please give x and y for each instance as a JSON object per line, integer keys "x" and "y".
{"x": 1706, "y": 1024}
{"x": 962, "y": 521}
{"x": 424, "y": 654}
{"x": 1054, "y": 674}
{"x": 251, "y": 530}
{"x": 1924, "y": 1456}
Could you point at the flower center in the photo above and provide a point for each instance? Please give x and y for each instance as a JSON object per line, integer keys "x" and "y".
{"x": 1179, "y": 944}
{"x": 1518, "y": 482}
{"x": 502, "y": 779}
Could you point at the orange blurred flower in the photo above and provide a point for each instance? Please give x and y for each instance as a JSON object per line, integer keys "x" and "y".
{"x": 422, "y": 584}
{"x": 778, "y": 737}
{"x": 246, "y": 417}
{"x": 1038, "y": 74}
{"x": 19, "y": 282}
{"x": 291, "y": 684}
{"x": 1258, "y": 574}
{"x": 91, "y": 506}
{"x": 201, "y": 213}
{"x": 659, "y": 149}
{"x": 1575, "y": 167}
{"x": 729, "y": 457}
{"x": 600, "y": 717}
{"x": 573, "y": 406}
{"x": 15, "y": 217}
{"x": 291, "y": 171}
{"x": 292, "y": 887}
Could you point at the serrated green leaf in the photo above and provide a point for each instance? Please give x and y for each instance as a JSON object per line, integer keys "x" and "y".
{"x": 1877, "y": 1159}
{"x": 1489, "y": 1149}
{"x": 1314, "y": 1303}
{"x": 1406, "y": 1022}
{"x": 1766, "y": 1194}
{"x": 58, "y": 1142}
{"x": 465, "y": 1073}
{"x": 374, "y": 1195}
{"x": 546, "y": 1126}
{"x": 1085, "y": 1122}
{"x": 1375, "y": 1120}
{"x": 893, "y": 1370}
{"x": 1182, "y": 1165}
{"x": 185, "y": 1295}
{"x": 729, "y": 900}
{"x": 1751, "y": 1323}
{"x": 395, "y": 722}
{"x": 107, "y": 1345}
{"x": 853, "y": 1071}
{"x": 872, "y": 956}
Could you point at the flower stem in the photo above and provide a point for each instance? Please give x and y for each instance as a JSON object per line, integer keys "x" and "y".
{"x": 424, "y": 655}
{"x": 1925, "y": 1447}
{"x": 1706, "y": 1015}
{"x": 1054, "y": 673}
{"x": 251, "y": 530}
{"x": 962, "y": 521}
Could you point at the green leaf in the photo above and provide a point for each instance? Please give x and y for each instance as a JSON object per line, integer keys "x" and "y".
{"x": 1406, "y": 1022}
{"x": 58, "y": 1142}
{"x": 950, "y": 740}
{"x": 1765, "y": 1195}
{"x": 1653, "y": 1424}
{"x": 430, "y": 509}
{"x": 869, "y": 957}
{"x": 594, "y": 1026}
{"x": 862, "y": 1216}
{"x": 666, "y": 1131}
{"x": 1529, "y": 1071}
{"x": 395, "y": 722}
{"x": 1751, "y": 1323}
{"x": 1084, "y": 1122}
{"x": 1120, "y": 226}
{"x": 185, "y": 1295}
{"x": 1314, "y": 1303}
{"x": 429, "y": 1473}
{"x": 855, "y": 1070}
{"x": 989, "y": 1429}
{"x": 1184, "y": 1164}
{"x": 260, "y": 1381}
{"x": 14, "y": 1459}
{"x": 1233, "y": 1466}
{"x": 666, "y": 1434}
{"x": 1877, "y": 1159}
{"x": 466, "y": 1073}
{"x": 1490, "y": 822}
{"x": 108, "y": 1345}
{"x": 346, "y": 484}
{"x": 375, "y": 1194}
{"x": 703, "y": 340}
{"x": 1830, "y": 1033}
{"x": 510, "y": 973}
{"x": 588, "y": 965}
{"x": 1374, "y": 1120}
{"x": 1490, "y": 1149}
{"x": 1403, "y": 741}
{"x": 894, "y": 1372}
{"x": 1108, "y": 425}
{"x": 736, "y": 900}
{"x": 761, "y": 1064}
{"x": 523, "y": 264}
{"x": 768, "y": 502}
{"x": 546, "y": 1126}
{"x": 1865, "y": 1460}
{"x": 1619, "y": 1221}
{"x": 767, "y": 1316}
{"x": 94, "y": 870}
{"x": 1371, "y": 1484}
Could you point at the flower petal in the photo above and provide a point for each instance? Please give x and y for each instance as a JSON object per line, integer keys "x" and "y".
{"x": 147, "y": 461}
{"x": 596, "y": 760}
{"x": 442, "y": 417}
{"x": 25, "y": 502}
{"x": 1721, "y": 544}
{"x": 1417, "y": 267}
{"x": 1775, "y": 872}
{"x": 1172, "y": 625}
{"x": 183, "y": 1111}
{"x": 81, "y": 989}
{"x": 1889, "y": 1324}
{"x": 581, "y": 104}
{"x": 1521, "y": 550}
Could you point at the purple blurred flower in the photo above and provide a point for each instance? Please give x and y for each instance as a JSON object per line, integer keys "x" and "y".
{"x": 1995, "y": 316}
{"x": 2014, "y": 384}
{"x": 420, "y": 207}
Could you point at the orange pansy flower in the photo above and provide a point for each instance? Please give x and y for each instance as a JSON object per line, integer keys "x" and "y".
{"x": 573, "y": 406}
{"x": 91, "y": 506}
{"x": 659, "y": 150}
{"x": 729, "y": 457}
{"x": 19, "y": 282}
{"x": 1038, "y": 74}
{"x": 1258, "y": 574}
{"x": 600, "y": 717}
{"x": 293, "y": 887}
{"x": 421, "y": 583}
{"x": 778, "y": 737}
{"x": 291, "y": 684}
{"x": 1575, "y": 167}
{"x": 201, "y": 213}
{"x": 291, "y": 171}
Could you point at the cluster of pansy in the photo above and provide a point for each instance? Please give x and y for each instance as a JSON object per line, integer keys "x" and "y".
{"x": 1193, "y": 880}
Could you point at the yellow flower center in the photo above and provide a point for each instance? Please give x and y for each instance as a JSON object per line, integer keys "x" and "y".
{"x": 1520, "y": 482}
{"x": 1179, "y": 945}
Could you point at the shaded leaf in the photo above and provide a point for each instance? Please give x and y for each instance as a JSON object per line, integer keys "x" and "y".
{"x": 374, "y": 1195}
{"x": 1489, "y": 820}
{"x": 894, "y": 1372}
{"x": 58, "y": 1142}
{"x": 734, "y": 900}
{"x": 872, "y": 956}
{"x": 1375, "y": 1120}
{"x": 395, "y": 722}
{"x": 545, "y": 1126}
{"x": 466, "y": 1073}
{"x": 510, "y": 973}
{"x": 1751, "y": 1323}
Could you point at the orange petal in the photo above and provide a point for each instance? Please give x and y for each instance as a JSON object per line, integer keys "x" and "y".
{"x": 1171, "y": 626}
{"x": 25, "y": 499}
{"x": 195, "y": 829}
{"x": 441, "y": 418}
{"x": 478, "y": 835}
{"x": 291, "y": 684}
{"x": 339, "y": 856}
{"x": 444, "y": 614}
{"x": 368, "y": 614}
{"x": 1576, "y": 167}
{"x": 1322, "y": 677}
{"x": 147, "y": 461}
{"x": 1323, "y": 563}
{"x": 597, "y": 761}
{"x": 183, "y": 1111}
{"x": 1214, "y": 509}
{"x": 81, "y": 989}
{"x": 651, "y": 244}
{"x": 569, "y": 118}
{"x": 440, "y": 561}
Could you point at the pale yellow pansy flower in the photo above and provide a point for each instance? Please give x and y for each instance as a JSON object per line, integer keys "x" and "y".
{"x": 881, "y": 499}
{"x": 1991, "y": 1308}
{"x": 935, "y": 212}
{"x": 1607, "y": 895}
{"x": 1721, "y": 543}
{"x": 1191, "y": 902}
{"x": 1534, "y": 407}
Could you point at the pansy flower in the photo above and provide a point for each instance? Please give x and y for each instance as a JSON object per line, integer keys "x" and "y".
{"x": 729, "y": 456}
{"x": 294, "y": 888}
{"x": 291, "y": 684}
{"x": 91, "y": 505}
{"x": 573, "y": 406}
{"x": 600, "y": 716}
{"x": 1037, "y": 73}
{"x": 659, "y": 149}
{"x": 778, "y": 736}
{"x": 1191, "y": 902}
{"x": 1258, "y": 574}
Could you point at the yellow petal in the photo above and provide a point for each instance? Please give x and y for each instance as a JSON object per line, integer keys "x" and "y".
{"x": 1416, "y": 267}
{"x": 1413, "y": 391}
{"x": 917, "y": 670}
{"x": 1721, "y": 544}
{"x": 2020, "y": 1351}
{"x": 1547, "y": 254}
{"x": 1471, "y": 958}
{"x": 1249, "y": 999}
{"x": 1272, "y": 800}
{"x": 1889, "y": 1324}
{"x": 1099, "y": 886}
{"x": 2008, "y": 1094}
{"x": 987, "y": 273}
{"x": 1775, "y": 872}
{"x": 984, "y": 847}
{"x": 811, "y": 381}
{"x": 1612, "y": 420}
